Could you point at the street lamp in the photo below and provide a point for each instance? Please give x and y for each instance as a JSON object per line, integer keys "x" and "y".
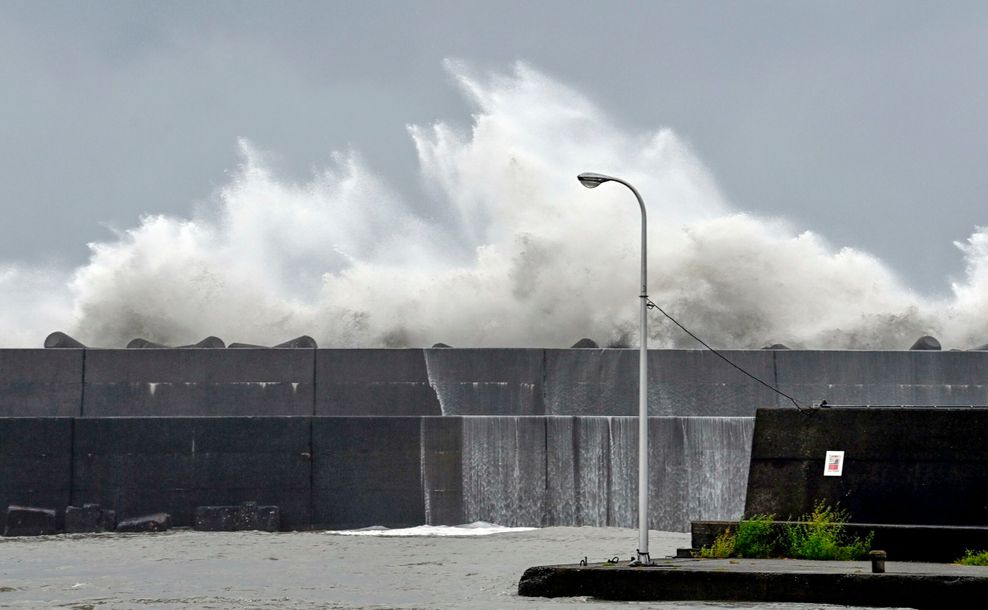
{"x": 592, "y": 180}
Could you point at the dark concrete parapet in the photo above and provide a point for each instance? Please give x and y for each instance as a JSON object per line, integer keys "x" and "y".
{"x": 487, "y": 381}
{"x": 906, "y": 466}
{"x": 927, "y": 378}
{"x": 197, "y": 382}
{"x": 603, "y": 382}
{"x": 374, "y": 382}
{"x": 681, "y": 382}
{"x": 922, "y": 586}
{"x": 41, "y": 383}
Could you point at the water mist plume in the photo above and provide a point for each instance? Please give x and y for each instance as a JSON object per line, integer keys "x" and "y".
{"x": 511, "y": 251}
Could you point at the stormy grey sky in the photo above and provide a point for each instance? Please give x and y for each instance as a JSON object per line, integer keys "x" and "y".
{"x": 865, "y": 122}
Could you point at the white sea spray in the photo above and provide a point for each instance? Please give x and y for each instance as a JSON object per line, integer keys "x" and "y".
{"x": 509, "y": 251}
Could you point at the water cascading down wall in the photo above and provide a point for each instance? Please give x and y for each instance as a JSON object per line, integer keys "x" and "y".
{"x": 351, "y": 438}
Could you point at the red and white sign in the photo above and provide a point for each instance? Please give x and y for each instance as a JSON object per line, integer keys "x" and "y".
{"x": 833, "y": 466}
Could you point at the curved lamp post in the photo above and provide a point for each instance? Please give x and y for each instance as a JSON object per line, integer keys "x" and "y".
{"x": 592, "y": 180}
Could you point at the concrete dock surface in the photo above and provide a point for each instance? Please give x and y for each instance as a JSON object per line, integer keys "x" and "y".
{"x": 904, "y": 584}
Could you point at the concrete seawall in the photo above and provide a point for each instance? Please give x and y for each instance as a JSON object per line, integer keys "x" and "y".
{"x": 350, "y": 438}
{"x": 269, "y": 382}
{"x": 345, "y": 472}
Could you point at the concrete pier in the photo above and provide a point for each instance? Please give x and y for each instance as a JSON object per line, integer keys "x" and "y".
{"x": 851, "y": 583}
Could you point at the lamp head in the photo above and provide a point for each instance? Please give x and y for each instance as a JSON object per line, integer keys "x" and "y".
{"x": 592, "y": 180}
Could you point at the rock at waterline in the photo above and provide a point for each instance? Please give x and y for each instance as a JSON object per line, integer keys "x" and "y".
{"x": 88, "y": 519}
{"x": 30, "y": 521}
{"x": 157, "y": 522}
{"x": 247, "y": 516}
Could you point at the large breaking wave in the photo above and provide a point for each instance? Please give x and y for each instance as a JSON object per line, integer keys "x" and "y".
{"x": 509, "y": 250}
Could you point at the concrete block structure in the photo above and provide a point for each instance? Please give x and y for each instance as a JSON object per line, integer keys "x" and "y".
{"x": 351, "y": 437}
{"x": 901, "y": 466}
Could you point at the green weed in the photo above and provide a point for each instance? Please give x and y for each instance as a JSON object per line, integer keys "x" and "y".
{"x": 821, "y": 535}
{"x": 973, "y": 558}
{"x": 722, "y": 548}
{"x": 757, "y": 538}
{"x": 818, "y": 535}
{"x": 754, "y": 538}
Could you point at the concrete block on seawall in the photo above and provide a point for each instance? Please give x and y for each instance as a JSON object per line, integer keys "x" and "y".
{"x": 926, "y": 342}
{"x": 141, "y": 343}
{"x": 303, "y": 342}
{"x": 30, "y": 521}
{"x": 59, "y": 340}
{"x": 89, "y": 518}
{"x": 207, "y": 343}
{"x": 157, "y": 522}
{"x": 247, "y": 516}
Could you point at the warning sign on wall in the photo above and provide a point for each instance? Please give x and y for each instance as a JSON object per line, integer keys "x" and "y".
{"x": 834, "y": 464}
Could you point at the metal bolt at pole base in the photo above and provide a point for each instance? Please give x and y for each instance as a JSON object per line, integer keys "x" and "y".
{"x": 593, "y": 180}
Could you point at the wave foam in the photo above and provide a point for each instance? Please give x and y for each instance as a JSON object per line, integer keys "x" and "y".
{"x": 477, "y": 528}
{"x": 511, "y": 251}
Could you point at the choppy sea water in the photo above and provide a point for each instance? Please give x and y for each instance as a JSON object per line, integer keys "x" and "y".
{"x": 474, "y": 567}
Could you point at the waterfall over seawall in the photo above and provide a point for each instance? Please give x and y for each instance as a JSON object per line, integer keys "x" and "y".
{"x": 538, "y": 471}
{"x": 504, "y": 470}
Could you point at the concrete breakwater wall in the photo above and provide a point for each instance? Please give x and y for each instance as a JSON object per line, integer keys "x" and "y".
{"x": 355, "y": 437}
{"x": 344, "y": 472}
{"x": 269, "y": 382}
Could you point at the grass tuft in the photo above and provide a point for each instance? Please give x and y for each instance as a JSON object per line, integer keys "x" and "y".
{"x": 757, "y": 538}
{"x": 974, "y": 558}
{"x": 818, "y": 535}
{"x": 722, "y": 548}
{"x": 821, "y": 535}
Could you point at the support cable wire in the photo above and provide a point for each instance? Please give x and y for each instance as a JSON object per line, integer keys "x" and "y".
{"x": 651, "y": 305}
